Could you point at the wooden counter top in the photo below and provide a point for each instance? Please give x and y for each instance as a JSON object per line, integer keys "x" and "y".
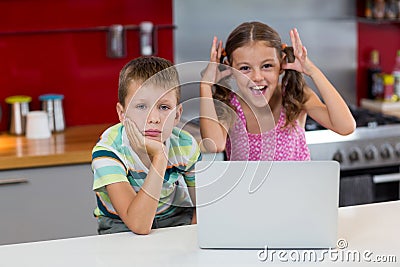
{"x": 72, "y": 146}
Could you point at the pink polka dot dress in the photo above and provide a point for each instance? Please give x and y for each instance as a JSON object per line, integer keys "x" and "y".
{"x": 279, "y": 144}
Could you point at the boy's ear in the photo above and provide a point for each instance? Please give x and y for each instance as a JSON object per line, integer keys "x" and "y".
{"x": 120, "y": 112}
{"x": 178, "y": 113}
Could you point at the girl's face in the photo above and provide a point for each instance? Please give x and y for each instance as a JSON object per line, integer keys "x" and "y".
{"x": 261, "y": 67}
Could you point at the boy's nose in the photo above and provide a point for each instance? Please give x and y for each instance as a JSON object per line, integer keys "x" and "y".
{"x": 154, "y": 116}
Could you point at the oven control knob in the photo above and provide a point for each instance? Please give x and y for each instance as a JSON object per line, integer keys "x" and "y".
{"x": 354, "y": 155}
{"x": 338, "y": 156}
{"x": 386, "y": 151}
{"x": 370, "y": 152}
{"x": 397, "y": 149}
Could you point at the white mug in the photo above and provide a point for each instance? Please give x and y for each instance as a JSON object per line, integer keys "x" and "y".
{"x": 37, "y": 125}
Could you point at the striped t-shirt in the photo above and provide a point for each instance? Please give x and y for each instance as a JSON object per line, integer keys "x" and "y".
{"x": 113, "y": 160}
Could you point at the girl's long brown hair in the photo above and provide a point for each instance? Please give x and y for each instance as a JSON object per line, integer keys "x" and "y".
{"x": 293, "y": 97}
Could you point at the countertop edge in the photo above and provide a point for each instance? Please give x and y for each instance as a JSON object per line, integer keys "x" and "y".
{"x": 35, "y": 161}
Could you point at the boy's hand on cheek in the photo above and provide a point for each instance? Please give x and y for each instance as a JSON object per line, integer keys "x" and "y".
{"x": 140, "y": 143}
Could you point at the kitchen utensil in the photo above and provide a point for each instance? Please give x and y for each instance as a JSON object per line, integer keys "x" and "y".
{"x": 116, "y": 41}
{"x": 19, "y": 107}
{"x": 52, "y": 104}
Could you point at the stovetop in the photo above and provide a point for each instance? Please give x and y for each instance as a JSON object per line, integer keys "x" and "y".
{"x": 363, "y": 118}
{"x": 374, "y": 143}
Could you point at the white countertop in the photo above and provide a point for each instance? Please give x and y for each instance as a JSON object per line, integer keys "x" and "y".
{"x": 373, "y": 229}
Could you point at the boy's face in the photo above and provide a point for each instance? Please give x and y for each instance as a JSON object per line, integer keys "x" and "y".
{"x": 153, "y": 109}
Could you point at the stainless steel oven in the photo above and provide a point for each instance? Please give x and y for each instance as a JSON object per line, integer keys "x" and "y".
{"x": 369, "y": 158}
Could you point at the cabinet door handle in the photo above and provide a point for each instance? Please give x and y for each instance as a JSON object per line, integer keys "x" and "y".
{"x": 13, "y": 181}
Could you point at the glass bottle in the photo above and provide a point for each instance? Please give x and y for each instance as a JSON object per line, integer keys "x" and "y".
{"x": 368, "y": 9}
{"x": 391, "y": 9}
{"x": 374, "y": 78}
{"x": 396, "y": 75}
{"x": 378, "y": 11}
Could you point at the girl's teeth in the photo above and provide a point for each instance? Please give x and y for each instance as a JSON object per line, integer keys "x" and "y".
{"x": 258, "y": 87}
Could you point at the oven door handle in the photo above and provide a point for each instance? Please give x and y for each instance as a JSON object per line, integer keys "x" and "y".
{"x": 385, "y": 178}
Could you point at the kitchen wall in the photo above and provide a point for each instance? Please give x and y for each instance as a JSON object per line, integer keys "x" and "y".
{"x": 44, "y": 48}
{"x": 327, "y": 28}
{"x": 382, "y": 35}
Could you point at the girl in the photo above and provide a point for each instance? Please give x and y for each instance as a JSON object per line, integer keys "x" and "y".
{"x": 241, "y": 121}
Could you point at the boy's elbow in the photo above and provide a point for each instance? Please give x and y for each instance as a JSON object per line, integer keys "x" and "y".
{"x": 139, "y": 227}
{"x": 140, "y": 230}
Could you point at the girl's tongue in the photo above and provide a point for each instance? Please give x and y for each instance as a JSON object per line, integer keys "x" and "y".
{"x": 258, "y": 90}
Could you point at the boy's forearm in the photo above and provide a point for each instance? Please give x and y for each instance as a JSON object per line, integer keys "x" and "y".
{"x": 143, "y": 207}
{"x": 194, "y": 218}
{"x": 192, "y": 193}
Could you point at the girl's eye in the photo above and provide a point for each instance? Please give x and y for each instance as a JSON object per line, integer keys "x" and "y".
{"x": 244, "y": 68}
{"x": 141, "y": 106}
{"x": 164, "y": 107}
{"x": 266, "y": 66}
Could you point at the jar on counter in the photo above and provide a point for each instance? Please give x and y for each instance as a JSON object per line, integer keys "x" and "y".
{"x": 388, "y": 86}
{"x": 19, "y": 108}
{"x": 52, "y": 104}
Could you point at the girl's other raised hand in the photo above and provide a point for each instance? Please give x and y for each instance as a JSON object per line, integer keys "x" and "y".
{"x": 212, "y": 73}
{"x": 302, "y": 63}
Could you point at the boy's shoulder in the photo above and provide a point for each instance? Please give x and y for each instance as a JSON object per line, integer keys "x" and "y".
{"x": 112, "y": 136}
{"x": 180, "y": 137}
{"x": 183, "y": 148}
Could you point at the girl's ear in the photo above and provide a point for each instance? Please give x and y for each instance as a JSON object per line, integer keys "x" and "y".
{"x": 120, "y": 112}
{"x": 283, "y": 63}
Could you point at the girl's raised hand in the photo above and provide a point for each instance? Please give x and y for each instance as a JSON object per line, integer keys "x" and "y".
{"x": 212, "y": 73}
{"x": 302, "y": 63}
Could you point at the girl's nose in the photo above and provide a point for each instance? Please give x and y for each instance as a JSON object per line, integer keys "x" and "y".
{"x": 257, "y": 76}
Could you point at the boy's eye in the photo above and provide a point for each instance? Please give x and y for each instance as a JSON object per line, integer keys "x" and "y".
{"x": 244, "y": 68}
{"x": 164, "y": 107}
{"x": 140, "y": 106}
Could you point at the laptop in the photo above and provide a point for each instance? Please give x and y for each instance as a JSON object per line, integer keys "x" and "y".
{"x": 274, "y": 204}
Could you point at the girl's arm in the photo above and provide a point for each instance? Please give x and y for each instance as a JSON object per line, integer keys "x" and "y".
{"x": 334, "y": 114}
{"x": 137, "y": 210}
{"x": 213, "y": 132}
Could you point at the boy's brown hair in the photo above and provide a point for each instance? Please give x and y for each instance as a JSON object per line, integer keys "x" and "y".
{"x": 148, "y": 69}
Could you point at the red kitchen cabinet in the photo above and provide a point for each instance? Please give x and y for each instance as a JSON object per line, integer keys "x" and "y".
{"x": 60, "y": 47}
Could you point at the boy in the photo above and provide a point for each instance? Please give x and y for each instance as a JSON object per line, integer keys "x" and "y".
{"x": 143, "y": 166}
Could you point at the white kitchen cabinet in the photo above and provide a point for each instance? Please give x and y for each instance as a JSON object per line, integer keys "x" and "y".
{"x": 55, "y": 202}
